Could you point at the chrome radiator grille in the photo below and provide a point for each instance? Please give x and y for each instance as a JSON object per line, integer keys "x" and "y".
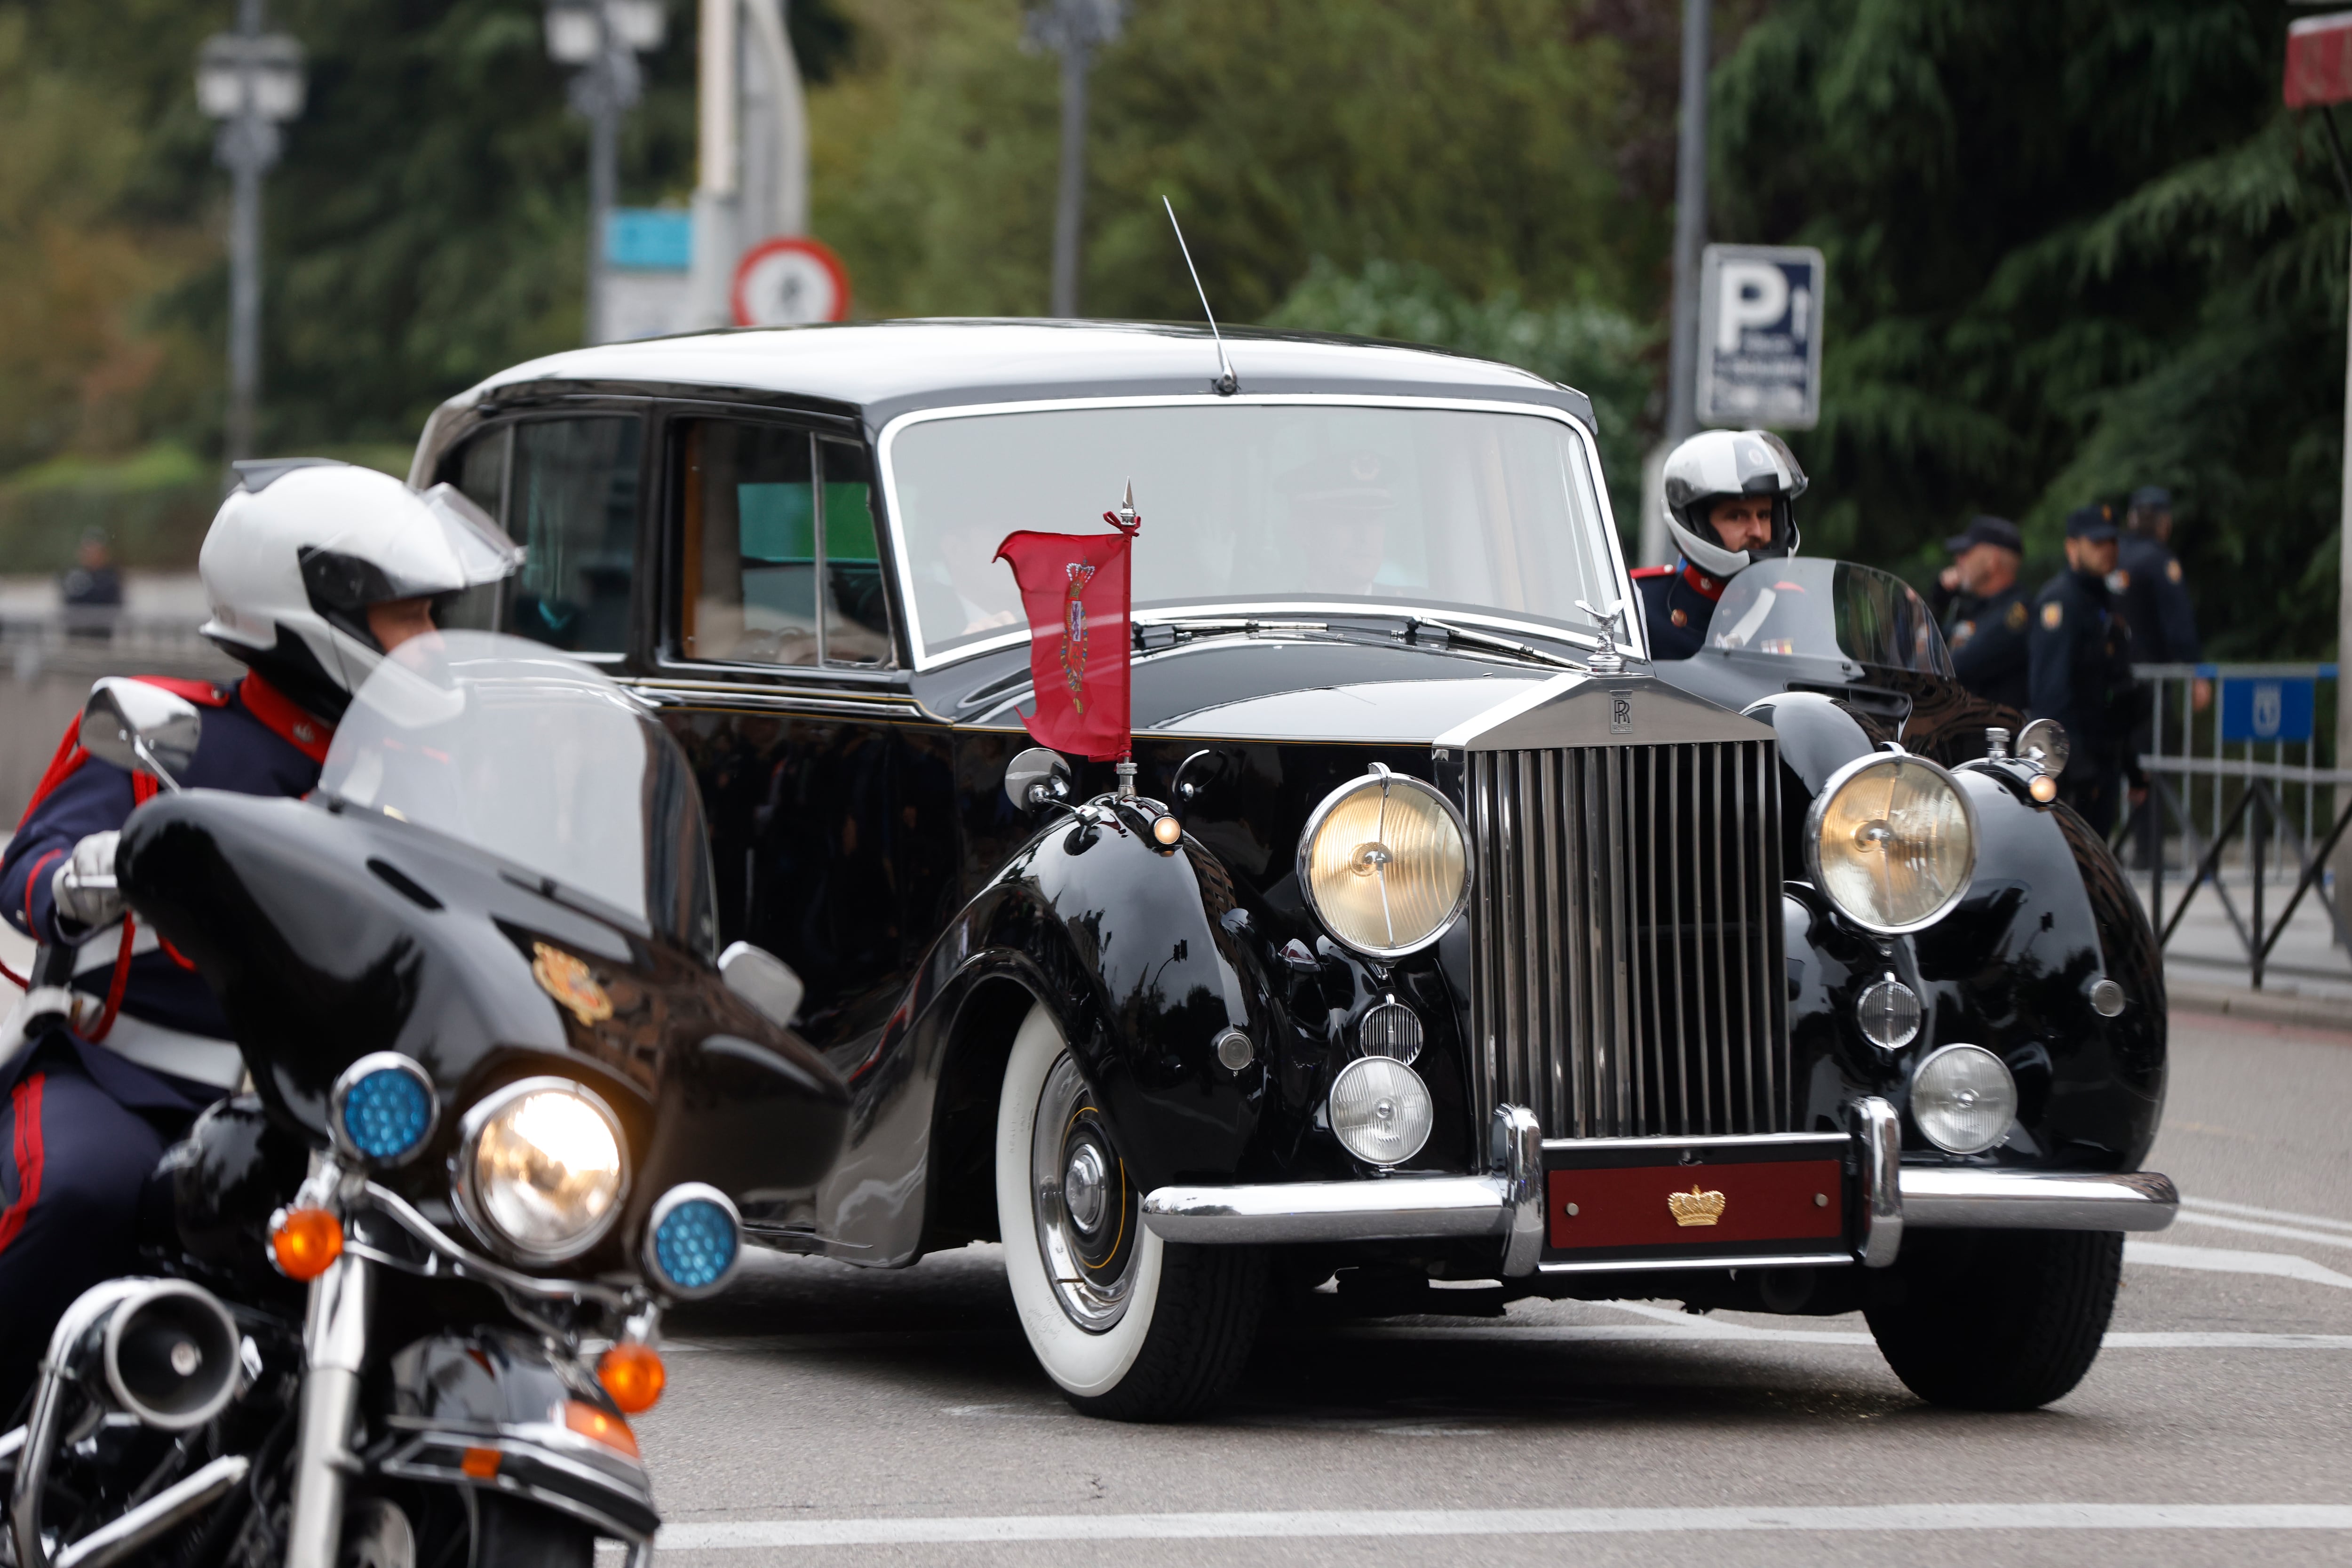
{"x": 1625, "y": 933}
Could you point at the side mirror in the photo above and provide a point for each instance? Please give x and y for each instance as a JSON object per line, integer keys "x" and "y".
{"x": 140, "y": 728}
{"x": 1037, "y": 778}
{"x": 2044, "y": 741}
{"x": 763, "y": 980}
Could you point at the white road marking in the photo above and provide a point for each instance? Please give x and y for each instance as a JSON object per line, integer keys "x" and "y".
{"x": 1720, "y": 1334}
{"x": 2249, "y": 1209}
{"x": 1377, "y": 1524}
{"x": 2231, "y": 1260}
{"x": 2260, "y": 1227}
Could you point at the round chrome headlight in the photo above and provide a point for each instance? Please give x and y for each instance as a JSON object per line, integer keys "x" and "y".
{"x": 542, "y": 1169}
{"x": 1963, "y": 1099}
{"x": 383, "y": 1109}
{"x": 1385, "y": 864}
{"x": 1381, "y": 1110}
{"x": 1889, "y": 1014}
{"x": 1892, "y": 841}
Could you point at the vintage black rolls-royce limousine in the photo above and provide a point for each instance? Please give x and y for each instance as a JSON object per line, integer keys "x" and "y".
{"x": 1442, "y": 940}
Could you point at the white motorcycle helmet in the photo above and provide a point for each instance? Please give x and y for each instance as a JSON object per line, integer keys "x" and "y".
{"x": 1715, "y": 464}
{"x": 304, "y": 545}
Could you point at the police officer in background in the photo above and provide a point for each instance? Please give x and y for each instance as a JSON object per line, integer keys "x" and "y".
{"x": 314, "y": 572}
{"x": 1983, "y": 609}
{"x": 1728, "y": 495}
{"x": 2079, "y": 669}
{"x": 2164, "y": 625}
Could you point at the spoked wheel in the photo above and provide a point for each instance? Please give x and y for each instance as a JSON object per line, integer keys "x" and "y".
{"x": 1131, "y": 1328}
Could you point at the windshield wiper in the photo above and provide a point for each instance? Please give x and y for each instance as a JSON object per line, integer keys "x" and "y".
{"x": 1470, "y": 639}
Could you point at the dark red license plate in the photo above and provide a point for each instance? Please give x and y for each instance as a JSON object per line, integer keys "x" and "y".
{"x": 1694, "y": 1208}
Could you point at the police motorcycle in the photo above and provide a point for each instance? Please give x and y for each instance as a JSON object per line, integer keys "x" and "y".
{"x": 503, "y": 1095}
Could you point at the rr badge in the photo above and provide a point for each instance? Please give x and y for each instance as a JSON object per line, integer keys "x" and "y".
{"x": 1620, "y": 713}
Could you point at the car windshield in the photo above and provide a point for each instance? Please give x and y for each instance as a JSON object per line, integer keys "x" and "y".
{"x": 538, "y": 759}
{"x": 1456, "y": 511}
{"x": 1828, "y": 609}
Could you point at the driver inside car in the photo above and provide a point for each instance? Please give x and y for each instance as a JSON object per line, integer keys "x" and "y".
{"x": 1728, "y": 496}
{"x": 314, "y": 572}
{"x": 1339, "y": 511}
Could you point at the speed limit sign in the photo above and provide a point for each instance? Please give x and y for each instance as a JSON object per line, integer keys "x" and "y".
{"x": 788, "y": 283}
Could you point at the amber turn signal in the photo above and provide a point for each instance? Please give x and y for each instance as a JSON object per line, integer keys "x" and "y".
{"x": 2043, "y": 788}
{"x": 633, "y": 1375}
{"x": 600, "y": 1426}
{"x": 1167, "y": 829}
{"x": 305, "y": 1241}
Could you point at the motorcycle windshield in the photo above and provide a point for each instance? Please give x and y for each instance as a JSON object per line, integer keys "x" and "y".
{"x": 536, "y": 759}
{"x": 1802, "y": 608}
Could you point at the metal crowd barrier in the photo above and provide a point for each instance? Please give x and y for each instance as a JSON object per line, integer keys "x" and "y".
{"x": 94, "y": 642}
{"x": 2252, "y": 770}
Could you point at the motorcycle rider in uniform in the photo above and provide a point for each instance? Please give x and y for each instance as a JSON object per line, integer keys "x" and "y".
{"x": 1983, "y": 609}
{"x": 314, "y": 571}
{"x": 2079, "y": 653}
{"x": 1728, "y": 495}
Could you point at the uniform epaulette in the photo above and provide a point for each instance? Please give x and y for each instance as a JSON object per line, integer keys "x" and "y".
{"x": 1641, "y": 572}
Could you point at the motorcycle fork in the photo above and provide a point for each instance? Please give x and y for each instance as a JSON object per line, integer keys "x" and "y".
{"x": 334, "y": 1342}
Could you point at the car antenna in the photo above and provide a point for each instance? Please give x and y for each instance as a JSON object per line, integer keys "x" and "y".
{"x": 1226, "y": 384}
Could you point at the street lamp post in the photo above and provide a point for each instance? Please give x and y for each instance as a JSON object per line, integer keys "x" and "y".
{"x": 1074, "y": 29}
{"x": 251, "y": 83}
{"x": 604, "y": 38}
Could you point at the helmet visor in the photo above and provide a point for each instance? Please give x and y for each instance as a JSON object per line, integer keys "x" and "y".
{"x": 443, "y": 546}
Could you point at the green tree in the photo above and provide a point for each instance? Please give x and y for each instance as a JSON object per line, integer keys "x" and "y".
{"x": 2074, "y": 248}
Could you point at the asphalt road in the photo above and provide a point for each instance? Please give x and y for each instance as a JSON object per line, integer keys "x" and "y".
{"x": 823, "y": 1415}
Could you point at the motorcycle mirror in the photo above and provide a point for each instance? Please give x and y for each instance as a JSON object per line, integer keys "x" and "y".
{"x": 140, "y": 728}
{"x": 1037, "y": 778}
{"x": 763, "y": 980}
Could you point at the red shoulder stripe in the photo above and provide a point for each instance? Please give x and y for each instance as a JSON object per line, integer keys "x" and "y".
{"x": 285, "y": 718}
{"x": 1640, "y": 572}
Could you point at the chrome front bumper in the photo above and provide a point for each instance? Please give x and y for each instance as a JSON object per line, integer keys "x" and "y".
{"x": 1509, "y": 1204}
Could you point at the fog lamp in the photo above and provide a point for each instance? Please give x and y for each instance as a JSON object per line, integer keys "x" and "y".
{"x": 382, "y": 1107}
{"x": 693, "y": 1239}
{"x": 1381, "y": 1110}
{"x": 1888, "y": 1012}
{"x": 1963, "y": 1099}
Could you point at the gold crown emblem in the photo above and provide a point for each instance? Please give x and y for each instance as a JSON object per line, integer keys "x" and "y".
{"x": 569, "y": 981}
{"x": 1695, "y": 1207}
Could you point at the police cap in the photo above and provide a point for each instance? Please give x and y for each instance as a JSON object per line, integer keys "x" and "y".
{"x": 1983, "y": 530}
{"x": 2096, "y": 524}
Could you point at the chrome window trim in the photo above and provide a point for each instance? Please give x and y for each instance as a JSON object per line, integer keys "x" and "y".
{"x": 902, "y": 566}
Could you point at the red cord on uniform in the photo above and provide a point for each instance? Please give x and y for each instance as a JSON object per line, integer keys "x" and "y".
{"x": 115, "y": 988}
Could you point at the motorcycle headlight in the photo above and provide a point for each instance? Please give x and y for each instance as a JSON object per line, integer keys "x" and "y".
{"x": 542, "y": 1169}
{"x": 1385, "y": 864}
{"x": 1891, "y": 840}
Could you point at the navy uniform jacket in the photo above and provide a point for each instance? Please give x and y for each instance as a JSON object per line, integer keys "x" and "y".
{"x": 2156, "y": 603}
{"x": 1988, "y": 638}
{"x": 2079, "y": 653}
{"x": 1677, "y": 603}
{"x": 256, "y": 742}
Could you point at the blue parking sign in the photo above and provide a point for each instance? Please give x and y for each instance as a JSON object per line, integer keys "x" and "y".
{"x": 2265, "y": 708}
{"x": 1760, "y": 336}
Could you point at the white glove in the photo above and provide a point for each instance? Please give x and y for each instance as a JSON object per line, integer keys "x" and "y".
{"x": 84, "y": 886}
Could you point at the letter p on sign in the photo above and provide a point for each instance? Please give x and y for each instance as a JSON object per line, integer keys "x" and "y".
{"x": 1748, "y": 294}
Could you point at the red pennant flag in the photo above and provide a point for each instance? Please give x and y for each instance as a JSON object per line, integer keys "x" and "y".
{"x": 1075, "y": 589}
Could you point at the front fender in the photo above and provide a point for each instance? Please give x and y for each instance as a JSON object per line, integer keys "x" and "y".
{"x": 454, "y": 1399}
{"x": 1127, "y": 944}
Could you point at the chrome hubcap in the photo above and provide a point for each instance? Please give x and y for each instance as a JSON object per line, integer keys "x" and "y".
{"x": 1087, "y": 1225}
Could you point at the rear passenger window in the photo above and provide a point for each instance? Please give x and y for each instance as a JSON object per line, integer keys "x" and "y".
{"x": 566, "y": 491}
{"x": 778, "y": 561}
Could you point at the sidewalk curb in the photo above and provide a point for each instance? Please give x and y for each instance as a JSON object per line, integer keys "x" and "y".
{"x": 2260, "y": 1007}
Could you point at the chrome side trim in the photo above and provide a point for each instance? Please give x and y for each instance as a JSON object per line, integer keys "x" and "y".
{"x": 1946, "y": 1198}
{"x": 1659, "y": 1265}
{"x": 1883, "y": 1188}
{"x": 1518, "y": 1154}
{"x": 1381, "y": 1209}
